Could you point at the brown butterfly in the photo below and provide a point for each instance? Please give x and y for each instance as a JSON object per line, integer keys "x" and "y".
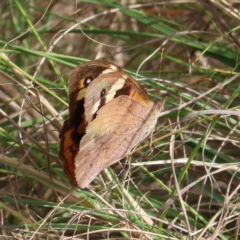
{"x": 109, "y": 114}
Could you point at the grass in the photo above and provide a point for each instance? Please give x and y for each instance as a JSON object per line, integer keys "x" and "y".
{"x": 186, "y": 185}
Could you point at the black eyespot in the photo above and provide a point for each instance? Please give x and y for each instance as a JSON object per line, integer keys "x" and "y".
{"x": 103, "y": 92}
{"x": 87, "y": 81}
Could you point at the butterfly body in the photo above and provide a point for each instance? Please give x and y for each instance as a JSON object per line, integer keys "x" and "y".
{"x": 109, "y": 114}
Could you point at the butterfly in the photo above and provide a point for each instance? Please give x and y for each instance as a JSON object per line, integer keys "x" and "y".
{"x": 109, "y": 114}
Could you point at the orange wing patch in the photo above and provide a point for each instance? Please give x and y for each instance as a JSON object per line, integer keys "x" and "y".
{"x": 68, "y": 151}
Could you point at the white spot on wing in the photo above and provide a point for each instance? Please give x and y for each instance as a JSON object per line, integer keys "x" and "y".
{"x": 116, "y": 86}
{"x": 111, "y": 69}
{"x": 107, "y": 71}
{"x": 95, "y": 107}
{"x": 110, "y": 95}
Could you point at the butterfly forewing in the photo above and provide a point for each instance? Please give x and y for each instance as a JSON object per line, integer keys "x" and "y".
{"x": 75, "y": 127}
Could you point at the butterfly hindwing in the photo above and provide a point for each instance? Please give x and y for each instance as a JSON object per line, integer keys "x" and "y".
{"x": 118, "y": 127}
